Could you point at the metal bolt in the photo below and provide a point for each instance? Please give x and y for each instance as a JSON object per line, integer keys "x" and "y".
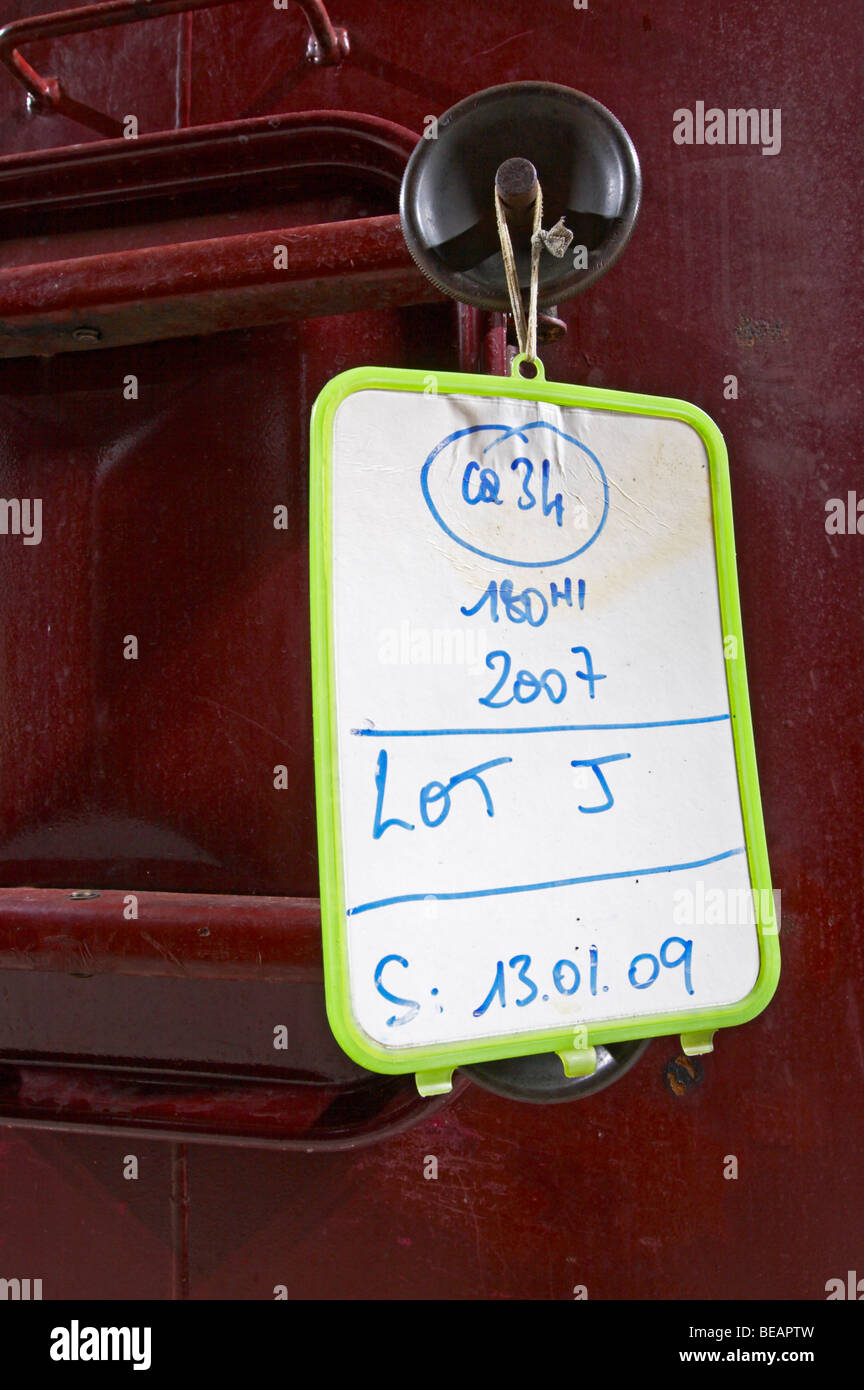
{"x": 549, "y": 327}
{"x": 83, "y": 894}
{"x": 86, "y": 335}
{"x": 315, "y": 54}
{"x": 516, "y": 181}
{"x": 517, "y": 187}
{"x": 683, "y": 1074}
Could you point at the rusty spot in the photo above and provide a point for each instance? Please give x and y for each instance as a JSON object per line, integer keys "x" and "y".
{"x": 683, "y": 1073}
{"x": 749, "y": 331}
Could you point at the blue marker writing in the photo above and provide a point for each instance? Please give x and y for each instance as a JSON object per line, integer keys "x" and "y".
{"x": 596, "y": 764}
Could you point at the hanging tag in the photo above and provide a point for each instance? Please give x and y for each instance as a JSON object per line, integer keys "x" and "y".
{"x": 538, "y": 808}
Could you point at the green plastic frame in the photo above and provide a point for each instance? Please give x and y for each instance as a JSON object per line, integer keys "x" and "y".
{"x": 434, "y": 1064}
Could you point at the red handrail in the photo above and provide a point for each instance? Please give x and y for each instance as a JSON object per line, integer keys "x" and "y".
{"x": 327, "y": 45}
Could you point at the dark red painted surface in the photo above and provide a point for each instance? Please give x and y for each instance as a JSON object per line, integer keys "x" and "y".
{"x": 157, "y": 775}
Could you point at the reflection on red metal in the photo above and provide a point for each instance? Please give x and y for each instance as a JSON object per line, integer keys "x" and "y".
{"x": 326, "y": 45}
{"x": 206, "y": 935}
{"x": 269, "y": 1113}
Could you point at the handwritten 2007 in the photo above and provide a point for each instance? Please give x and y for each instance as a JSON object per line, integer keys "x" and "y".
{"x": 524, "y": 688}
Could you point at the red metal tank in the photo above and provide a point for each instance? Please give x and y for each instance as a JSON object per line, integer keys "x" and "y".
{"x": 167, "y": 1077}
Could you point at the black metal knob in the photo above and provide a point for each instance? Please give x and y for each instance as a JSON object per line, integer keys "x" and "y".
{"x": 540, "y": 1078}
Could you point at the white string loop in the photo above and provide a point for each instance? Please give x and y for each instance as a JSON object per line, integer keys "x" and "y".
{"x": 526, "y": 329}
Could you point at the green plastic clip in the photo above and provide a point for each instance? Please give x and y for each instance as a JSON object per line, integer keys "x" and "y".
{"x": 696, "y": 1044}
{"x": 581, "y": 1061}
{"x": 434, "y": 1083}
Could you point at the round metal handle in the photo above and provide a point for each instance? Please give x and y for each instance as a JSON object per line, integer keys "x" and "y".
{"x": 587, "y": 167}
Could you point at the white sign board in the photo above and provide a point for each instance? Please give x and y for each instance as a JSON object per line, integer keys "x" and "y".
{"x": 530, "y": 788}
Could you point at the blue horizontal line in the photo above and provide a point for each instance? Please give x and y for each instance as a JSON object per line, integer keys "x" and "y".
{"x": 535, "y": 887}
{"x": 534, "y": 729}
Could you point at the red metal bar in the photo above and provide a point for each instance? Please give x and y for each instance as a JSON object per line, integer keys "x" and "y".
{"x": 208, "y": 936}
{"x": 199, "y": 285}
{"x": 207, "y": 286}
{"x": 495, "y": 345}
{"x": 184, "y": 1107}
{"x": 327, "y": 46}
{"x": 205, "y": 158}
{"x": 468, "y": 321}
{"x": 314, "y": 255}
{"x": 180, "y": 1221}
